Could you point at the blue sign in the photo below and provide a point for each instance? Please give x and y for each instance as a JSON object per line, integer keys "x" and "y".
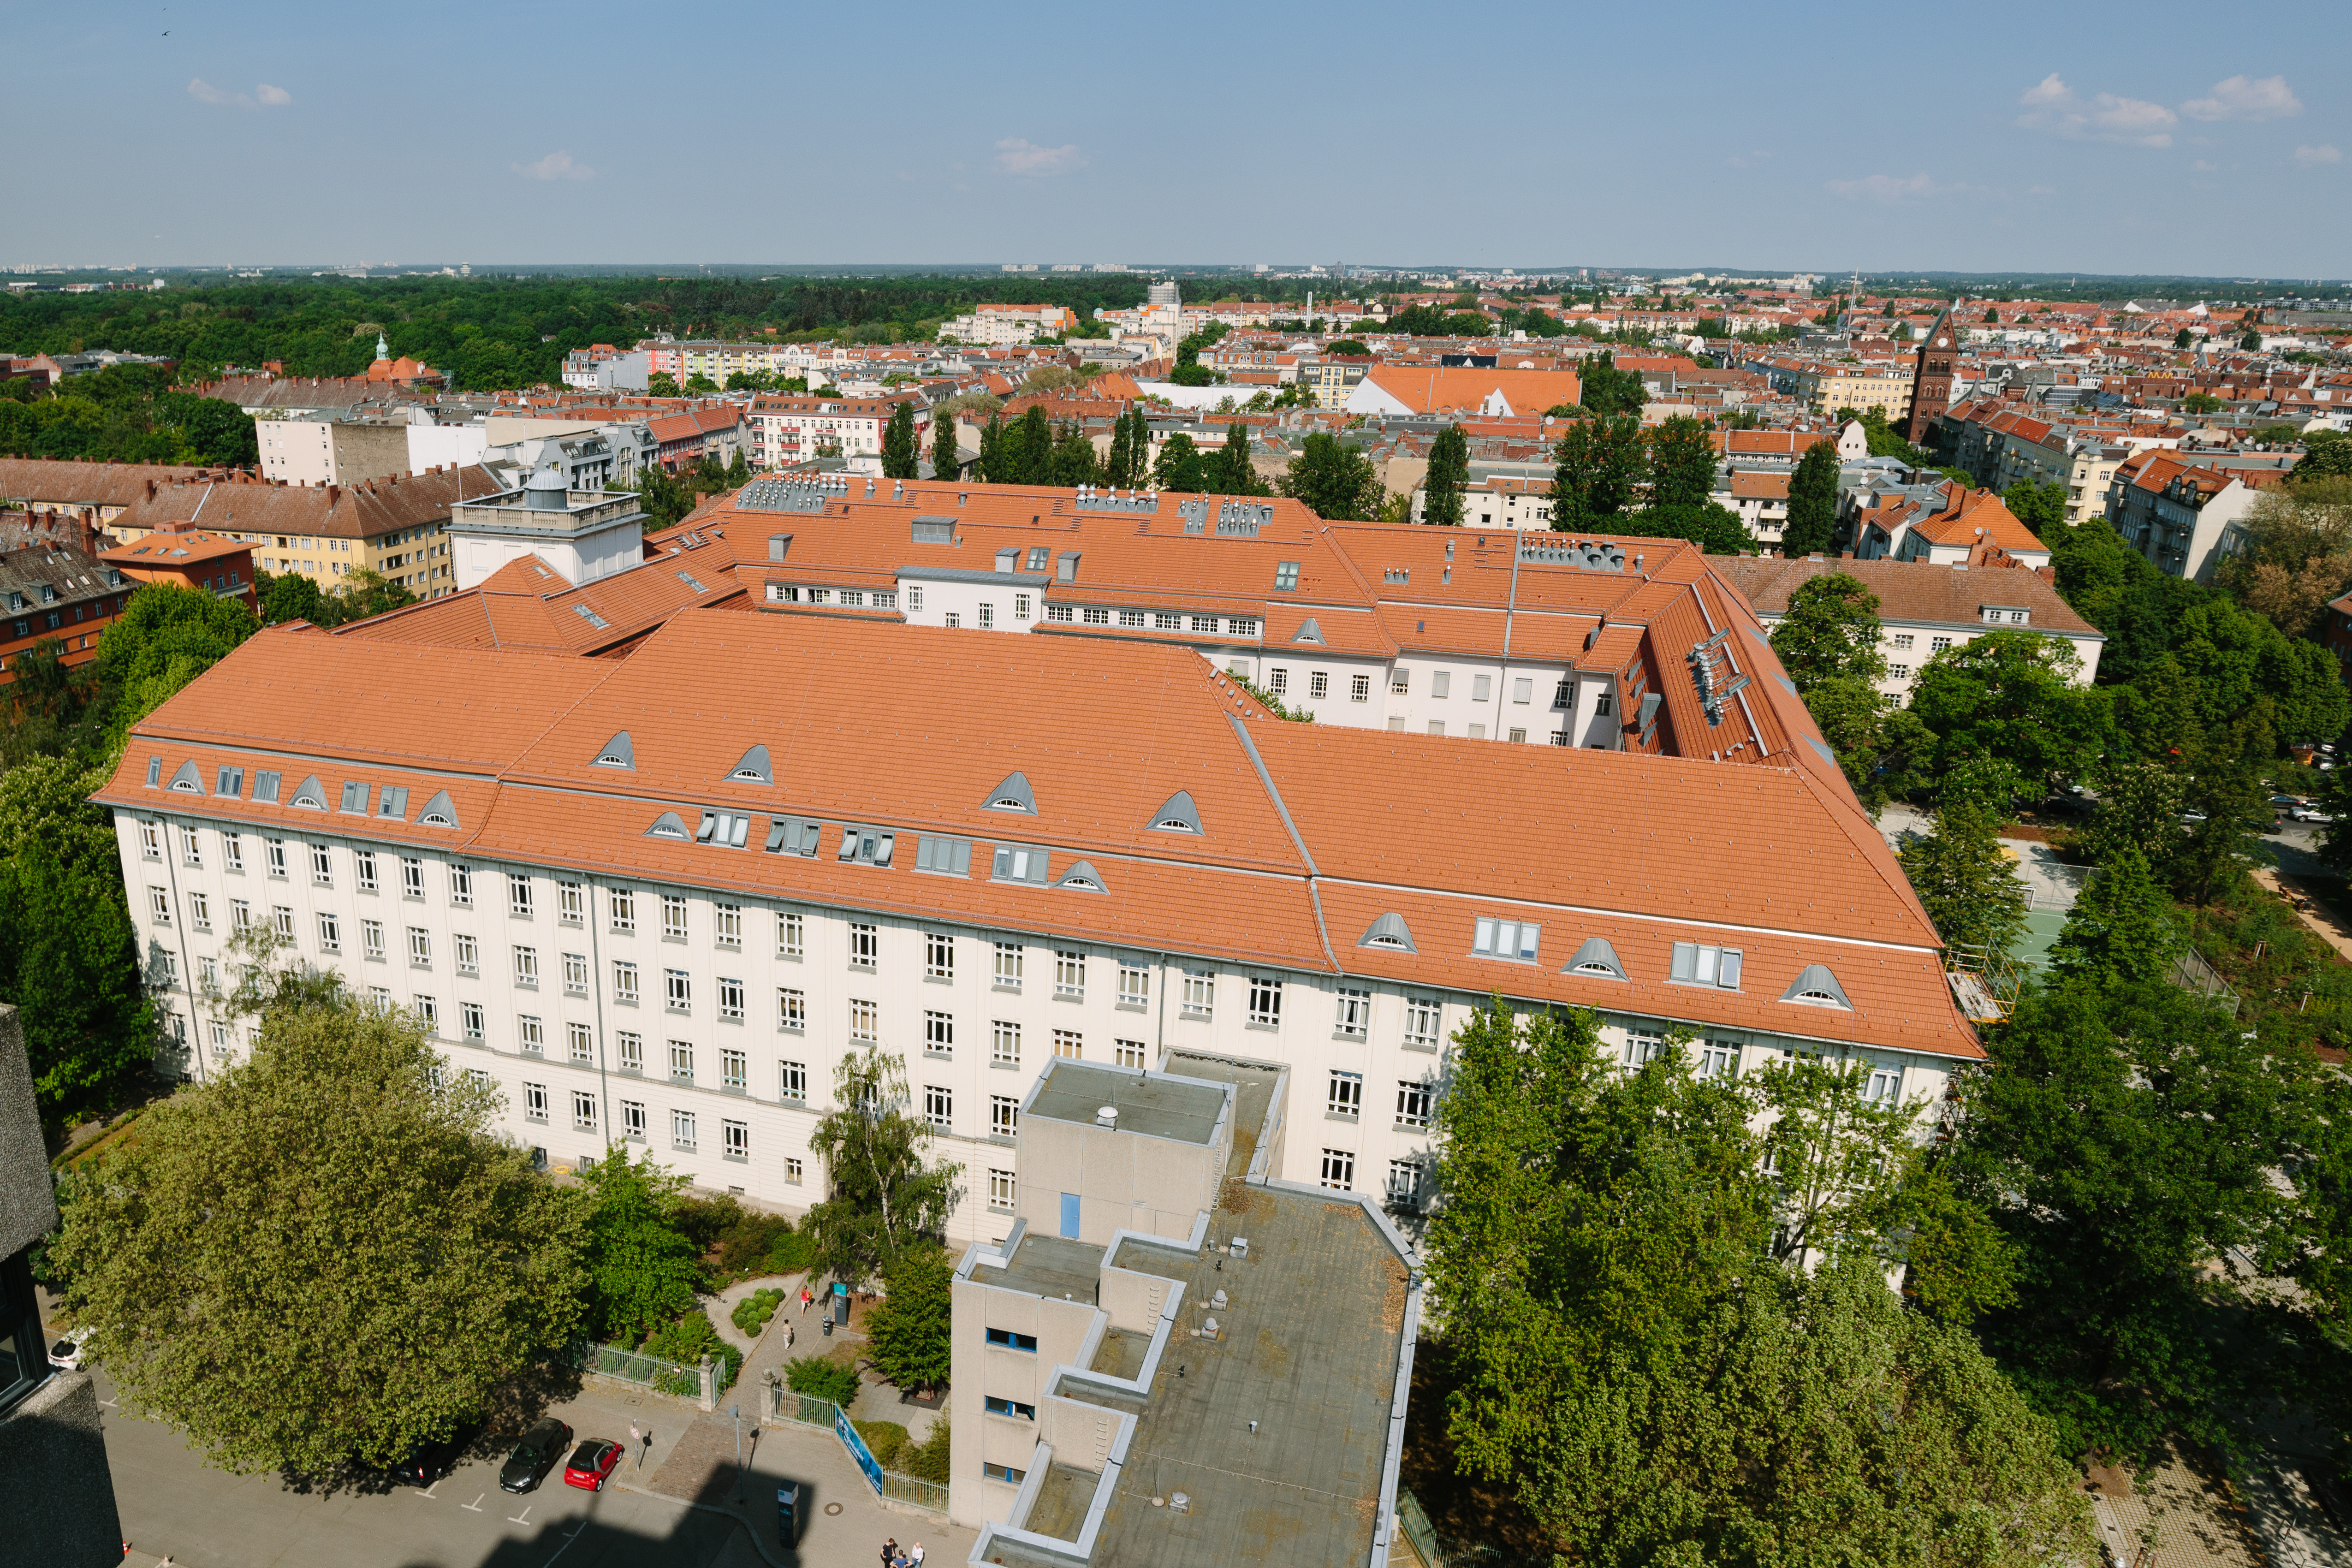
{"x": 858, "y": 1448}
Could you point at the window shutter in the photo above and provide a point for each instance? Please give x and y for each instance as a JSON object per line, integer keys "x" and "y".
{"x": 1002, "y": 870}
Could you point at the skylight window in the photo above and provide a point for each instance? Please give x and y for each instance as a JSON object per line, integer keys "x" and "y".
{"x": 1013, "y": 794}
{"x": 1598, "y": 959}
{"x": 1388, "y": 932}
{"x": 1285, "y": 574}
{"x": 617, "y": 752}
{"x": 1815, "y": 987}
{"x": 591, "y": 617}
{"x": 1178, "y": 815}
{"x": 723, "y": 829}
{"x": 689, "y": 579}
{"x": 1037, "y": 554}
{"x": 1514, "y": 940}
{"x": 1696, "y": 964}
{"x": 947, "y": 857}
{"x": 867, "y": 845}
{"x": 1018, "y": 863}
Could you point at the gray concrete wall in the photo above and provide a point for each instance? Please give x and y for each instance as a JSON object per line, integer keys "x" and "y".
{"x": 28, "y": 1206}
{"x": 56, "y": 1491}
{"x": 1124, "y": 1181}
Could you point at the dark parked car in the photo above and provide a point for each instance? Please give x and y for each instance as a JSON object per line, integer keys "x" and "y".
{"x": 430, "y": 1460}
{"x": 535, "y": 1455}
{"x": 591, "y": 1463}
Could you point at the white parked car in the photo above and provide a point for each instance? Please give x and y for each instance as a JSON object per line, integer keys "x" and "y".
{"x": 66, "y": 1353}
{"x": 2310, "y": 813}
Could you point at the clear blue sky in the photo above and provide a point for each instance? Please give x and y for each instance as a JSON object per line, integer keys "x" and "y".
{"x": 2157, "y": 137}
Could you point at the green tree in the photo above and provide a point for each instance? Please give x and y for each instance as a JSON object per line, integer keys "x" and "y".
{"x": 324, "y": 1255}
{"x": 643, "y": 1268}
{"x": 1608, "y": 391}
{"x": 1448, "y": 477}
{"x": 2183, "y": 339}
{"x": 1597, "y": 464}
{"x": 1831, "y": 632}
{"x": 886, "y": 1195}
{"x": 991, "y": 452}
{"x": 1812, "y": 502}
{"x": 1629, "y": 1351}
{"x": 1178, "y": 468}
{"x": 2041, "y": 506}
{"x": 2326, "y": 453}
{"x": 700, "y": 386}
{"x": 1072, "y": 461}
{"x": 1964, "y": 881}
{"x": 1120, "y": 464}
{"x": 1878, "y": 746}
{"x": 1229, "y": 469}
{"x": 900, "y": 455}
{"x": 1335, "y": 480}
{"x": 906, "y": 1338}
{"x": 2011, "y": 696}
{"x": 166, "y": 638}
{"x": 286, "y": 596}
{"x": 2138, "y": 815}
{"x": 661, "y": 384}
{"x": 944, "y": 449}
{"x": 70, "y": 956}
{"x": 2122, "y": 928}
{"x": 1681, "y": 463}
{"x": 2123, "y": 1137}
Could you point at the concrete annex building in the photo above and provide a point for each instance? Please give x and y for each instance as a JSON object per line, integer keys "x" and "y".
{"x": 653, "y": 852}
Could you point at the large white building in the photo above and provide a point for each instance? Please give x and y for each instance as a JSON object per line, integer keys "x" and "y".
{"x": 655, "y": 896}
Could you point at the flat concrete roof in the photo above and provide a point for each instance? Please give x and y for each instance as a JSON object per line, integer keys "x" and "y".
{"x": 1254, "y": 1084}
{"x": 1150, "y": 1104}
{"x": 1048, "y": 1265}
{"x": 1309, "y": 1347}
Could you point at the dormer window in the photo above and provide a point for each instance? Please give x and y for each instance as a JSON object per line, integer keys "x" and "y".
{"x": 754, "y": 768}
{"x": 1082, "y": 877}
{"x": 1815, "y": 987}
{"x": 617, "y": 752}
{"x": 1178, "y": 815}
{"x": 723, "y": 829}
{"x": 1388, "y": 932}
{"x": 1597, "y": 958}
{"x": 1013, "y": 794}
{"x": 667, "y": 826}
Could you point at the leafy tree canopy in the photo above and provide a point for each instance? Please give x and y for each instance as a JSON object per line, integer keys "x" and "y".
{"x": 888, "y": 1196}
{"x": 2011, "y": 696}
{"x": 166, "y": 638}
{"x": 1337, "y": 481}
{"x": 1831, "y": 632}
{"x": 643, "y": 1268}
{"x": 323, "y": 1255}
{"x": 1964, "y": 881}
{"x": 907, "y": 1337}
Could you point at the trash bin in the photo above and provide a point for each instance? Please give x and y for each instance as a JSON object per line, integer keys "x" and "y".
{"x": 788, "y": 1514}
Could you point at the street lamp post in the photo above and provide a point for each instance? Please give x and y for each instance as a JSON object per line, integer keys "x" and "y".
{"x": 737, "y": 1412}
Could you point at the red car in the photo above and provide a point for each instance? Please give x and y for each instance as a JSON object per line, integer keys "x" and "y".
{"x": 591, "y": 1464}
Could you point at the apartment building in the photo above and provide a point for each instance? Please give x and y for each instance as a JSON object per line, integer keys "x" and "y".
{"x": 84, "y": 496}
{"x": 1828, "y": 387}
{"x": 2184, "y": 510}
{"x": 54, "y": 591}
{"x": 1003, "y": 325}
{"x": 1924, "y": 607}
{"x": 784, "y": 430}
{"x": 186, "y": 556}
{"x": 658, "y": 922}
{"x": 393, "y": 527}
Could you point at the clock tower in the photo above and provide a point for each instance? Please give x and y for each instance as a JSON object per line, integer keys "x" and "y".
{"x": 1931, "y": 383}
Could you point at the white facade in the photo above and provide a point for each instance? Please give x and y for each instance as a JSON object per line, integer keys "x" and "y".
{"x": 705, "y": 1028}
{"x": 593, "y": 536}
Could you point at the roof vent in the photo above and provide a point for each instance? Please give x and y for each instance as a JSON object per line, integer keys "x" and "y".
{"x": 754, "y": 768}
{"x": 1389, "y": 932}
{"x": 1178, "y": 815}
{"x": 1106, "y": 1115}
{"x": 617, "y": 752}
{"x": 1596, "y": 957}
{"x": 1815, "y": 987}
{"x": 547, "y": 490}
{"x": 1012, "y": 794}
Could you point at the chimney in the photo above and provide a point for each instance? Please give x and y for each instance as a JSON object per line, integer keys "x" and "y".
{"x": 334, "y": 494}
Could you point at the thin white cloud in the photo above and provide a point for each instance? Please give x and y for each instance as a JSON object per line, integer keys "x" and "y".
{"x": 2243, "y": 98}
{"x": 2203, "y": 166}
{"x": 1015, "y": 156}
{"x": 1750, "y": 160}
{"x": 556, "y": 166}
{"x": 2312, "y": 157}
{"x": 1888, "y": 188}
{"x": 262, "y": 97}
{"x": 2052, "y": 106}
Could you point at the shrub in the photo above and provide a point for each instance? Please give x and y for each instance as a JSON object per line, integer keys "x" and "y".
{"x": 691, "y": 1338}
{"x": 927, "y": 1461}
{"x": 705, "y": 1220}
{"x": 821, "y": 1379}
{"x": 744, "y": 1246}
{"x": 794, "y": 1252}
{"x": 887, "y": 1440}
{"x": 752, "y": 1312}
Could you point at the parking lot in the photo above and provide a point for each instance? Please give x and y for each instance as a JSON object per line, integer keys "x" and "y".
{"x": 172, "y": 1503}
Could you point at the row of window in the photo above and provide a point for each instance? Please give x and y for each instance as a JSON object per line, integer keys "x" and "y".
{"x": 1345, "y": 1098}
{"x": 1440, "y": 686}
{"x": 1154, "y": 620}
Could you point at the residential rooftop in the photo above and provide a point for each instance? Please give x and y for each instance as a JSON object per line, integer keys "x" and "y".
{"x": 1146, "y": 1105}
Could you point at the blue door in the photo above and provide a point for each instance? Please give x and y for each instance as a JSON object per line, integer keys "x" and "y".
{"x": 1070, "y": 1215}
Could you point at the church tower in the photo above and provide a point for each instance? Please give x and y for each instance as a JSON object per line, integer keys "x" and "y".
{"x": 1931, "y": 383}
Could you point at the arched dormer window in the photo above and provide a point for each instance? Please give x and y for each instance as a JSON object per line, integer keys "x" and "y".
{"x": 667, "y": 826}
{"x": 1178, "y": 815}
{"x": 618, "y": 752}
{"x": 1815, "y": 987}
{"x": 754, "y": 768}
{"x": 1388, "y": 932}
{"x": 1083, "y": 877}
{"x": 438, "y": 812}
{"x": 1013, "y": 794}
{"x": 1598, "y": 959}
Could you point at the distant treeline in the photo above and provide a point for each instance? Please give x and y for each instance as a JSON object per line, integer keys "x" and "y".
{"x": 488, "y": 333}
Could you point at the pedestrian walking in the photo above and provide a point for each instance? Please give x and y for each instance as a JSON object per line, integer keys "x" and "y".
{"x": 890, "y": 1550}
{"x": 636, "y": 1442}
{"x": 806, "y": 1297}
{"x": 915, "y": 1558}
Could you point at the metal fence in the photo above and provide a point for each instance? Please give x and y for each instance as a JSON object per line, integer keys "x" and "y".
{"x": 650, "y": 1370}
{"x": 2190, "y": 971}
{"x": 785, "y": 1407}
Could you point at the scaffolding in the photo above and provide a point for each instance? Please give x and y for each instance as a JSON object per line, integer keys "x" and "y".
{"x": 1985, "y": 980}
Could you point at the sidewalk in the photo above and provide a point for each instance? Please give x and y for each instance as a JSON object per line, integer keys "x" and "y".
{"x": 2318, "y": 916}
